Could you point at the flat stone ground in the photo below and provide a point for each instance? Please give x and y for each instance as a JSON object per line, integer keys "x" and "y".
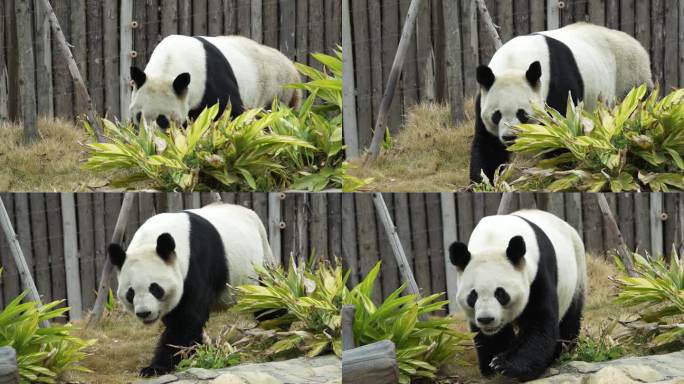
{"x": 661, "y": 369}
{"x": 319, "y": 370}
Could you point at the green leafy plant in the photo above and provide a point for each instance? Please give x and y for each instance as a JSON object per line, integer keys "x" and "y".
{"x": 422, "y": 346}
{"x": 312, "y": 300}
{"x": 602, "y": 347}
{"x": 43, "y": 354}
{"x": 636, "y": 145}
{"x": 312, "y": 296}
{"x": 220, "y": 352}
{"x": 261, "y": 150}
{"x": 658, "y": 294}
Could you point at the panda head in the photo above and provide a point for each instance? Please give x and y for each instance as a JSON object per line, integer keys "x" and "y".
{"x": 159, "y": 100}
{"x": 150, "y": 280}
{"x": 507, "y": 99}
{"x": 492, "y": 289}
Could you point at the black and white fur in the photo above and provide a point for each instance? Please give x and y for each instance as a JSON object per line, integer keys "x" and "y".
{"x": 587, "y": 62}
{"x": 187, "y": 74}
{"x": 526, "y": 272}
{"x": 177, "y": 266}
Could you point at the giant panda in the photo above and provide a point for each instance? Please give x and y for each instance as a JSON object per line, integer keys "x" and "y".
{"x": 176, "y": 268}
{"x": 521, "y": 284}
{"x": 586, "y": 61}
{"x": 187, "y": 74}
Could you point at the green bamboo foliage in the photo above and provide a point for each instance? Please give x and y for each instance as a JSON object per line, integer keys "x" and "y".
{"x": 43, "y": 354}
{"x": 637, "y": 145}
{"x": 658, "y": 293}
{"x": 313, "y": 298}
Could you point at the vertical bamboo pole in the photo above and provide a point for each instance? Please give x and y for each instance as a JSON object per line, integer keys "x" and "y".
{"x": 73, "y": 68}
{"x": 393, "y": 80}
{"x": 117, "y": 237}
{"x": 449, "y": 235}
{"x": 125, "y": 56}
{"x": 351, "y": 138}
{"x": 275, "y": 225}
{"x": 15, "y": 249}
{"x": 73, "y": 279}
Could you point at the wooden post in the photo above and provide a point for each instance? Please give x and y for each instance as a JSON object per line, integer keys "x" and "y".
{"x": 275, "y": 225}
{"x": 27, "y": 74}
{"x": 44, "y": 88}
{"x": 73, "y": 68}
{"x": 404, "y": 44}
{"x": 347, "y": 325}
{"x": 623, "y": 251}
{"x": 489, "y": 24}
{"x": 9, "y": 372}
{"x": 553, "y": 14}
{"x": 18, "y": 255}
{"x": 506, "y": 203}
{"x": 397, "y": 249}
{"x": 449, "y": 235}
{"x": 351, "y": 139}
{"x": 455, "y": 81}
{"x": 656, "y": 214}
{"x": 117, "y": 237}
{"x": 125, "y": 58}
{"x": 256, "y": 21}
{"x": 372, "y": 363}
{"x": 73, "y": 279}
{"x": 4, "y": 84}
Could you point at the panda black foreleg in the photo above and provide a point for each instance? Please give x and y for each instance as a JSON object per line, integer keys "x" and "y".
{"x": 183, "y": 329}
{"x": 489, "y": 346}
{"x": 534, "y": 347}
{"x": 487, "y": 153}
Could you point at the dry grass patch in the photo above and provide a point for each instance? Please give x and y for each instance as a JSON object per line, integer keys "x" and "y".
{"x": 124, "y": 345}
{"x": 50, "y": 164}
{"x": 429, "y": 154}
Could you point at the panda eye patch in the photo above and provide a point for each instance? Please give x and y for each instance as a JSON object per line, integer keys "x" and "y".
{"x": 156, "y": 291}
{"x": 522, "y": 116}
{"x": 162, "y": 122}
{"x": 496, "y": 117}
{"x": 472, "y": 299}
{"x": 130, "y": 294}
{"x": 138, "y": 117}
{"x": 502, "y": 296}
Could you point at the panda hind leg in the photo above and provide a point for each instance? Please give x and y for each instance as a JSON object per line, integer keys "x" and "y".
{"x": 488, "y": 346}
{"x": 570, "y": 327}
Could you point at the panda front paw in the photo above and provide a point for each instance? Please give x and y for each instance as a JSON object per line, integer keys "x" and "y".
{"x": 154, "y": 370}
{"x": 505, "y": 366}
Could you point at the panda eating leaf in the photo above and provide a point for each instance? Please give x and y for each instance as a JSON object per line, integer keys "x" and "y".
{"x": 187, "y": 74}
{"x": 521, "y": 284}
{"x": 176, "y": 269}
{"x": 584, "y": 61}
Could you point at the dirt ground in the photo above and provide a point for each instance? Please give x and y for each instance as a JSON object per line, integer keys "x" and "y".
{"x": 124, "y": 345}
{"x": 430, "y": 154}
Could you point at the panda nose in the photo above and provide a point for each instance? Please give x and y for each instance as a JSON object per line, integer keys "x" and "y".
{"x": 146, "y": 314}
{"x": 485, "y": 320}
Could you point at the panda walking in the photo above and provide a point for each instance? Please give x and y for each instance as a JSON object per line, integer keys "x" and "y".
{"x": 177, "y": 266}
{"x": 187, "y": 74}
{"x": 521, "y": 284}
{"x": 587, "y": 62}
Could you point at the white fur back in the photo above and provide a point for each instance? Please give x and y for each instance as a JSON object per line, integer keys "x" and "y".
{"x": 610, "y": 62}
{"x": 240, "y": 229}
{"x": 260, "y": 71}
{"x": 496, "y": 231}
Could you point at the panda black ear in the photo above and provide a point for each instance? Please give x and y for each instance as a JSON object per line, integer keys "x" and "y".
{"x": 485, "y": 77}
{"x": 165, "y": 246}
{"x": 116, "y": 255}
{"x": 516, "y": 250}
{"x": 138, "y": 76}
{"x": 180, "y": 85}
{"x": 534, "y": 73}
{"x": 459, "y": 255}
